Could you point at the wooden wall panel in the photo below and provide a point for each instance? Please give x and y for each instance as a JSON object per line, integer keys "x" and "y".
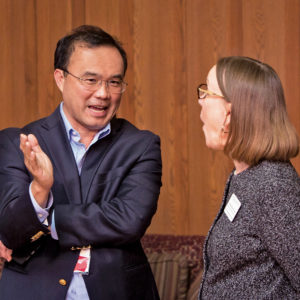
{"x": 161, "y": 101}
{"x": 171, "y": 46}
{"x": 208, "y": 38}
{"x": 291, "y": 58}
{"x": 54, "y": 18}
{"x": 116, "y": 17}
{"x": 29, "y": 32}
{"x": 18, "y": 76}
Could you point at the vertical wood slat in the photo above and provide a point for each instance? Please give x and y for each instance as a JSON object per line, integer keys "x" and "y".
{"x": 116, "y": 17}
{"x": 171, "y": 46}
{"x": 18, "y": 76}
{"x": 159, "y": 63}
{"x": 54, "y": 18}
{"x": 291, "y": 65}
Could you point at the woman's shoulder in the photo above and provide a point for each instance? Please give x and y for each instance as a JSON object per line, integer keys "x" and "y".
{"x": 276, "y": 171}
{"x": 269, "y": 180}
{"x": 269, "y": 172}
{"x": 277, "y": 180}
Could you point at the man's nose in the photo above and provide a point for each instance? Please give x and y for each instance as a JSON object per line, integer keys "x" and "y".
{"x": 102, "y": 90}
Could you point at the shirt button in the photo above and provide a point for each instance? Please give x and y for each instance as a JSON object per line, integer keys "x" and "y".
{"x": 62, "y": 282}
{"x": 40, "y": 215}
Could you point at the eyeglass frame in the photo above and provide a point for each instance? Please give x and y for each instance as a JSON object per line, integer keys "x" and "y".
{"x": 98, "y": 82}
{"x": 206, "y": 92}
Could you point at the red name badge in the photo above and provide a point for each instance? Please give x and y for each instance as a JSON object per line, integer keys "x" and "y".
{"x": 83, "y": 262}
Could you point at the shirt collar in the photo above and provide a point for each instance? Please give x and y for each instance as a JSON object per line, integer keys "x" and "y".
{"x": 75, "y": 136}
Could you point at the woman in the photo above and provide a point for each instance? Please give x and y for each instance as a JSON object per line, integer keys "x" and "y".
{"x": 252, "y": 250}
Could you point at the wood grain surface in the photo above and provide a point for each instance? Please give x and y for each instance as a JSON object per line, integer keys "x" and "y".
{"x": 171, "y": 46}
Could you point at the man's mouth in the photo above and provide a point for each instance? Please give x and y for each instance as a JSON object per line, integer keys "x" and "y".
{"x": 98, "y": 107}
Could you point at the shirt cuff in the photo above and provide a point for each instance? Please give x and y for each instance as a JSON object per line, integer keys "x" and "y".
{"x": 42, "y": 213}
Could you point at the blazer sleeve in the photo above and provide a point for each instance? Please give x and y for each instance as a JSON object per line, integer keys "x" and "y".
{"x": 280, "y": 224}
{"x": 122, "y": 202}
{"x": 19, "y": 223}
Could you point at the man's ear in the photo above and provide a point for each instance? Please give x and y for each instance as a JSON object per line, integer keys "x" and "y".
{"x": 59, "y": 79}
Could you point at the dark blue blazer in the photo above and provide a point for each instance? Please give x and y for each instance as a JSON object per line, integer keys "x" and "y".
{"x": 108, "y": 207}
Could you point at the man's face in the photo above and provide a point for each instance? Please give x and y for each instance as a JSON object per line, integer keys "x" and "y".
{"x": 90, "y": 111}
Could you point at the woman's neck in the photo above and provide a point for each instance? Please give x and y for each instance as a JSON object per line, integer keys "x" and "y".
{"x": 240, "y": 166}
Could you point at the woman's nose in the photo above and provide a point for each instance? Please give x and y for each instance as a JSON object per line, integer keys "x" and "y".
{"x": 200, "y": 101}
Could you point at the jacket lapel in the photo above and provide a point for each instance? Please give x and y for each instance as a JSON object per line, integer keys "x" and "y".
{"x": 55, "y": 140}
{"x": 95, "y": 156}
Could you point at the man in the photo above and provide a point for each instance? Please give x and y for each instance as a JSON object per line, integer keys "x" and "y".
{"x": 79, "y": 188}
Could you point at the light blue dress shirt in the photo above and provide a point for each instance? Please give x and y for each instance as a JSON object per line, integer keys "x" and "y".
{"x": 77, "y": 289}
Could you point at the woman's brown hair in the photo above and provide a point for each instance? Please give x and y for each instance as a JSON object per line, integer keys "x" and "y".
{"x": 259, "y": 125}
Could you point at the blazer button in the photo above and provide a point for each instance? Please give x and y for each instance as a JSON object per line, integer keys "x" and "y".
{"x": 62, "y": 282}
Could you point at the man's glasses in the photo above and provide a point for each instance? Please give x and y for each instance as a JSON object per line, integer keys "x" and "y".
{"x": 202, "y": 92}
{"x": 114, "y": 86}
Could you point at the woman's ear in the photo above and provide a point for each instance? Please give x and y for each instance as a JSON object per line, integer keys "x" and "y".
{"x": 228, "y": 117}
{"x": 59, "y": 79}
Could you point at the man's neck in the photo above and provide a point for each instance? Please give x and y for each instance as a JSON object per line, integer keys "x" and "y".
{"x": 86, "y": 138}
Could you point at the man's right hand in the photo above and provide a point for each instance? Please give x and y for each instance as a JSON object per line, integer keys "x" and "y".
{"x": 5, "y": 252}
{"x": 40, "y": 167}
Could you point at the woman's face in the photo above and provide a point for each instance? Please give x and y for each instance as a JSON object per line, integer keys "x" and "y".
{"x": 215, "y": 114}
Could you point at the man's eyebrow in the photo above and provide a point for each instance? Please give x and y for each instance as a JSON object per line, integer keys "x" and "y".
{"x": 90, "y": 74}
{"x": 120, "y": 76}
{"x": 96, "y": 74}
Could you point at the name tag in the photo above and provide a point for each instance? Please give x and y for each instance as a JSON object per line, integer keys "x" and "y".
{"x": 83, "y": 262}
{"x": 232, "y": 207}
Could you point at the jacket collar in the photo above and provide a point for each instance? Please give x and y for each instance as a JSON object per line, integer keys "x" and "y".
{"x": 53, "y": 137}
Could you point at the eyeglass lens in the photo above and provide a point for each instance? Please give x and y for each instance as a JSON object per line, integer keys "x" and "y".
{"x": 201, "y": 91}
{"x": 113, "y": 86}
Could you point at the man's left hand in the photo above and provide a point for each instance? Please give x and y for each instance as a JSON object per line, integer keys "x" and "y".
{"x": 5, "y": 252}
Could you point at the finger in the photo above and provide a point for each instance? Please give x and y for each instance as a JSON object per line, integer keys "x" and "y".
{"x": 23, "y": 140}
{"x": 5, "y": 252}
{"x": 8, "y": 255}
{"x": 34, "y": 143}
{"x": 29, "y": 156}
{"x": 27, "y": 143}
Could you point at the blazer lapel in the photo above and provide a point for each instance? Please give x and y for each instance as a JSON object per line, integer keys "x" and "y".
{"x": 94, "y": 158}
{"x": 54, "y": 136}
